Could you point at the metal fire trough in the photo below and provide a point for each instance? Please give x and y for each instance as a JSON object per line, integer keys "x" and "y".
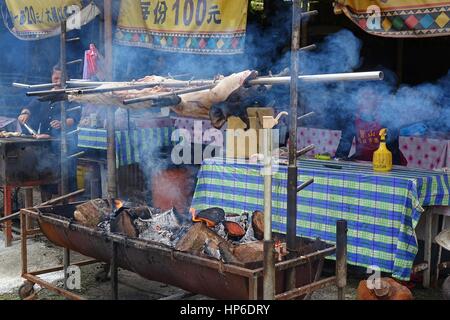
{"x": 157, "y": 262}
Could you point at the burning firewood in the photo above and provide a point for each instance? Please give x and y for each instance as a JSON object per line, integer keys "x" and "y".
{"x": 211, "y": 216}
{"x": 194, "y": 240}
{"x": 258, "y": 224}
{"x": 249, "y": 252}
{"x": 123, "y": 224}
{"x": 234, "y": 230}
{"x": 166, "y": 227}
{"x": 142, "y": 212}
{"x": 91, "y": 213}
{"x": 227, "y": 255}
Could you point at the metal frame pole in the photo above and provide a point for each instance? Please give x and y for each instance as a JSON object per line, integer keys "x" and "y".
{"x": 341, "y": 258}
{"x": 114, "y": 272}
{"x": 292, "y": 168}
{"x": 111, "y": 130}
{"x": 64, "y": 147}
{"x": 269, "y": 263}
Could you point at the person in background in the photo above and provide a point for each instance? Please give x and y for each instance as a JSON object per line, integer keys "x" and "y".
{"x": 47, "y": 116}
{"x": 45, "y": 119}
{"x": 365, "y": 127}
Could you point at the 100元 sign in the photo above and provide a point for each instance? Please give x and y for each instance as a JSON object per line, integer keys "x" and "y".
{"x": 186, "y": 12}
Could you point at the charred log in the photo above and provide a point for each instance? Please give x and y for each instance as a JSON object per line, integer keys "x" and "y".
{"x": 258, "y": 224}
{"x": 91, "y": 213}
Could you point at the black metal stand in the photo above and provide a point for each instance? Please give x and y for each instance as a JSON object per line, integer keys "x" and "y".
{"x": 114, "y": 272}
{"x": 341, "y": 257}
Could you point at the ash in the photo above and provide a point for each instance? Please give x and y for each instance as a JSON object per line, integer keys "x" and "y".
{"x": 166, "y": 228}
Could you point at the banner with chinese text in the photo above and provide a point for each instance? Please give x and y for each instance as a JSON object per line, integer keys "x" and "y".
{"x": 34, "y": 19}
{"x": 192, "y": 26}
{"x": 399, "y": 18}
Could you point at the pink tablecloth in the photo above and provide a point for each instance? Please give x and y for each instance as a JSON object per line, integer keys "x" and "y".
{"x": 201, "y": 131}
{"x": 326, "y": 141}
{"x": 425, "y": 153}
{"x": 420, "y": 152}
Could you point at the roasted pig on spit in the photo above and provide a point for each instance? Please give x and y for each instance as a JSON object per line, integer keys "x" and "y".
{"x": 198, "y": 104}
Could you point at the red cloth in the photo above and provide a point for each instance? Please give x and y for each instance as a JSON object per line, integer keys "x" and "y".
{"x": 367, "y": 138}
{"x": 368, "y": 141}
{"x": 91, "y": 58}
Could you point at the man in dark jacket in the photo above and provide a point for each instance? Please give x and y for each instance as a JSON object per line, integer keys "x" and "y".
{"x": 45, "y": 119}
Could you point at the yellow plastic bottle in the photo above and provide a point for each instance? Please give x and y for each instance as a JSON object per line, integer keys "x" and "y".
{"x": 382, "y": 158}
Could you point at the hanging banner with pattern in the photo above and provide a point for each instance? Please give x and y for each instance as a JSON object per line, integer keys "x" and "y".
{"x": 36, "y": 19}
{"x": 399, "y": 18}
{"x": 192, "y": 26}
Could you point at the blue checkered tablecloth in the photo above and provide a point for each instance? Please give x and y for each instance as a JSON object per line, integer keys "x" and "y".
{"x": 382, "y": 210}
{"x": 131, "y": 146}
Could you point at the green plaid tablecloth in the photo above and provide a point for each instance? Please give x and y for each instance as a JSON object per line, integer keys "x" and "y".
{"x": 131, "y": 146}
{"x": 382, "y": 210}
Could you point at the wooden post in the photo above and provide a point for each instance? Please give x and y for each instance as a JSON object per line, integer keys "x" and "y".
{"x": 111, "y": 130}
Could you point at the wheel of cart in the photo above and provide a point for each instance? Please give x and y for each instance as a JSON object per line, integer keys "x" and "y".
{"x": 26, "y": 290}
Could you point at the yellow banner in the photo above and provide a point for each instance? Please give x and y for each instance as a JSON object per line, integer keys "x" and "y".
{"x": 37, "y": 17}
{"x": 362, "y": 5}
{"x": 399, "y": 18}
{"x": 196, "y": 26}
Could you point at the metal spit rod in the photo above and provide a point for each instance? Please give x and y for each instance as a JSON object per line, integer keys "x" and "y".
{"x": 350, "y": 76}
{"x": 168, "y": 94}
{"x": 377, "y": 75}
{"x": 90, "y": 87}
{"x": 34, "y": 86}
{"x": 332, "y": 77}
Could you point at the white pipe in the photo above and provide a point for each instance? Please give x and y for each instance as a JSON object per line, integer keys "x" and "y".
{"x": 353, "y": 76}
{"x": 267, "y": 184}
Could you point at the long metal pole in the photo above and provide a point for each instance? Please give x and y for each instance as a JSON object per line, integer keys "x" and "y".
{"x": 292, "y": 168}
{"x": 341, "y": 257}
{"x": 114, "y": 272}
{"x": 332, "y": 77}
{"x": 64, "y": 147}
{"x": 111, "y": 138}
{"x": 269, "y": 263}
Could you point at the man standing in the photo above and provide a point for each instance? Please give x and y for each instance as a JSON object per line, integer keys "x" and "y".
{"x": 45, "y": 118}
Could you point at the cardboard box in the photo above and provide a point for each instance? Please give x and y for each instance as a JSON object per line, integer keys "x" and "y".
{"x": 242, "y": 142}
